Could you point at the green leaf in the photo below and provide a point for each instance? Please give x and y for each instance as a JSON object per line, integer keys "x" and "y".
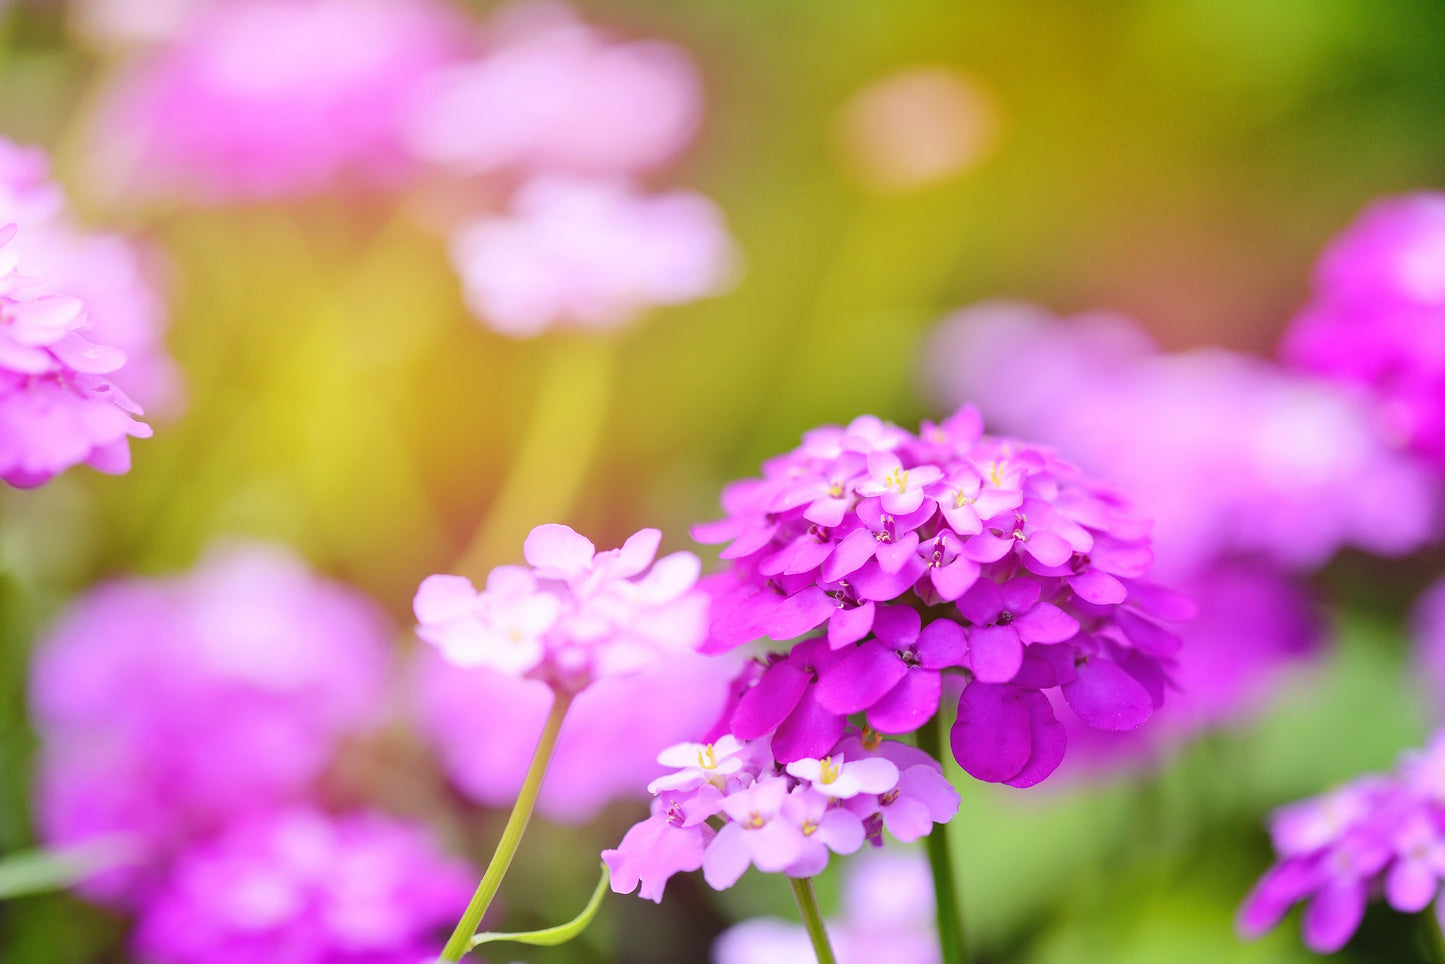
{"x": 552, "y": 936}
{"x": 38, "y": 871}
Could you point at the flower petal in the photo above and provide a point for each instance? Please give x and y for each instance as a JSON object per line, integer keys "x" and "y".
{"x": 1107, "y": 698}
{"x": 991, "y": 738}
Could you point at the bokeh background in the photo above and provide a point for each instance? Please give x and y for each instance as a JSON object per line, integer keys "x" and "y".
{"x": 1179, "y": 161}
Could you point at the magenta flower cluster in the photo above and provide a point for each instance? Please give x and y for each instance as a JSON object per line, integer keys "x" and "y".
{"x": 1374, "y": 835}
{"x": 948, "y": 553}
{"x": 573, "y": 614}
{"x": 730, "y": 805}
{"x": 1375, "y": 315}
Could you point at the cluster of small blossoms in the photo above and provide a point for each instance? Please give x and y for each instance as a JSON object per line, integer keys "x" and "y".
{"x": 573, "y": 614}
{"x": 57, "y": 408}
{"x": 1375, "y": 834}
{"x": 948, "y": 553}
{"x": 732, "y": 804}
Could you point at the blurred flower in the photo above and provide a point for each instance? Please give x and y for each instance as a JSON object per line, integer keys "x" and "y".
{"x": 125, "y": 23}
{"x": 607, "y": 750}
{"x": 300, "y": 887}
{"x": 573, "y": 615}
{"x": 1427, "y": 623}
{"x": 1029, "y": 574}
{"x": 779, "y": 820}
{"x": 1228, "y": 454}
{"x": 887, "y": 915}
{"x": 167, "y": 706}
{"x": 1376, "y": 834}
{"x": 262, "y": 99}
{"x": 1376, "y": 318}
{"x": 554, "y": 95}
{"x": 590, "y": 255}
{"x": 917, "y": 127}
{"x": 56, "y": 409}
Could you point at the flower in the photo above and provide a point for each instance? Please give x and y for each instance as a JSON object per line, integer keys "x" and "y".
{"x": 56, "y": 408}
{"x": 576, "y": 615}
{"x": 589, "y": 254}
{"x": 607, "y": 749}
{"x": 1375, "y": 315}
{"x": 901, "y": 559}
{"x": 166, "y": 707}
{"x": 254, "y": 100}
{"x": 1374, "y": 835}
{"x": 305, "y": 887}
{"x": 551, "y": 94}
{"x": 888, "y": 909}
{"x": 778, "y": 819}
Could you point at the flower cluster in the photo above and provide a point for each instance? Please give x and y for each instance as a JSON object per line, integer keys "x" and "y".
{"x": 57, "y": 408}
{"x": 1375, "y": 314}
{"x": 948, "y": 553}
{"x": 167, "y": 708}
{"x": 573, "y": 614}
{"x": 731, "y": 804}
{"x": 1374, "y": 834}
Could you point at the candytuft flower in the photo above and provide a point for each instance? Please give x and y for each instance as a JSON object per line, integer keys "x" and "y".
{"x": 572, "y": 615}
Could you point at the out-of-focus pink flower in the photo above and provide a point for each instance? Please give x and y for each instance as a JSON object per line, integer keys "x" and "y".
{"x": 887, "y": 915}
{"x": 551, "y": 94}
{"x": 1228, "y": 454}
{"x": 917, "y": 127}
{"x": 300, "y": 887}
{"x": 1376, "y": 317}
{"x": 573, "y": 615}
{"x": 167, "y": 706}
{"x": 263, "y": 99}
{"x": 56, "y": 407}
{"x": 119, "y": 24}
{"x": 590, "y": 254}
{"x": 609, "y": 744}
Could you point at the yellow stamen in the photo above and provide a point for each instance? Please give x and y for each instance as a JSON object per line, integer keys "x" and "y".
{"x": 899, "y": 478}
{"x": 960, "y": 500}
{"x": 831, "y": 770}
{"x": 995, "y": 474}
{"x": 872, "y": 739}
{"x": 808, "y": 828}
{"x": 707, "y": 761}
{"x": 755, "y": 821}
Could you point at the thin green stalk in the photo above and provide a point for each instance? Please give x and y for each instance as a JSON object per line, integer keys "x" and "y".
{"x": 940, "y": 858}
{"x": 1434, "y": 938}
{"x": 812, "y": 918}
{"x": 461, "y": 939}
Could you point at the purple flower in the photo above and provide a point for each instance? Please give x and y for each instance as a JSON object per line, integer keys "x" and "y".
{"x": 552, "y": 95}
{"x": 167, "y": 707}
{"x": 590, "y": 254}
{"x": 262, "y": 99}
{"x": 1373, "y": 318}
{"x": 1030, "y": 577}
{"x": 1377, "y": 834}
{"x": 778, "y": 819}
{"x": 56, "y": 407}
{"x": 302, "y": 887}
{"x": 574, "y": 616}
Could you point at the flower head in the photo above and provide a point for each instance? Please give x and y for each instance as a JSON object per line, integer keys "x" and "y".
{"x": 573, "y": 614}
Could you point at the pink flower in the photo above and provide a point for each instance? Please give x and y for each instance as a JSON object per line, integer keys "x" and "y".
{"x": 575, "y": 616}
{"x": 553, "y": 95}
{"x": 166, "y": 707}
{"x": 262, "y": 99}
{"x": 590, "y": 254}
{"x": 300, "y": 886}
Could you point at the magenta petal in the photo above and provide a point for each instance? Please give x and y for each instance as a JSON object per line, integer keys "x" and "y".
{"x": 871, "y": 582}
{"x": 1048, "y": 738}
{"x": 850, "y": 625}
{"x": 1049, "y": 549}
{"x": 1098, "y": 588}
{"x": 861, "y": 679}
{"x": 909, "y": 705}
{"x": 898, "y": 626}
{"x": 1274, "y": 894}
{"x": 809, "y": 732}
{"x": 942, "y": 643}
{"x": 1146, "y": 636}
{"x": 827, "y": 512}
{"x": 892, "y": 556}
{"x": 770, "y": 701}
{"x": 1332, "y": 917}
{"x": 1046, "y": 623}
{"x": 991, "y": 738}
{"x": 799, "y": 613}
{"x": 982, "y": 603}
{"x": 1107, "y": 698}
{"x": 986, "y": 547}
{"x": 954, "y": 579}
{"x": 995, "y": 653}
{"x": 1410, "y": 885}
{"x": 855, "y": 549}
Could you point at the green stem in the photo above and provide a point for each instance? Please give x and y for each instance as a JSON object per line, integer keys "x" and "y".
{"x": 563, "y": 434}
{"x": 812, "y": 918}
{"x": 1434, "y": 938}
{"x": 461, "y": 939}
{"x": 940, "y": 858}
